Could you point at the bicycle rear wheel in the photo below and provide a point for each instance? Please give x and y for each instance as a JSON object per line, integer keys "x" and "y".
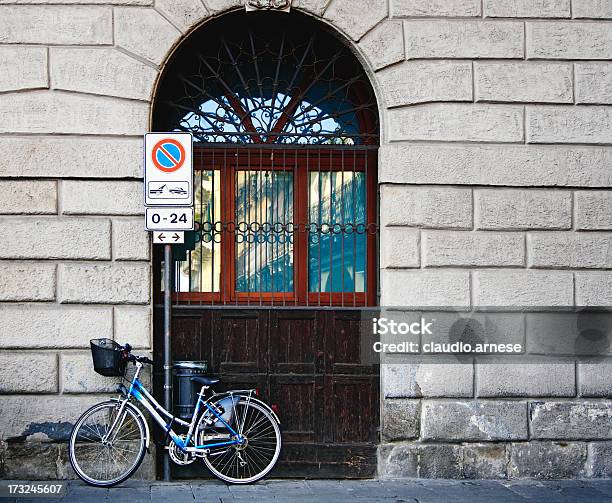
{"x": 102, "y": 457}
{"x": 253, "y": 460}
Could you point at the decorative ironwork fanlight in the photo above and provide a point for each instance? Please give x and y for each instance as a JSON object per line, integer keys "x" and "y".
{"x": 267, "y": 78}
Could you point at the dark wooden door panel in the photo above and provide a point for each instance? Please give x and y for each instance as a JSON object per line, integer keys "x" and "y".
{"x": 240, "y": 339}
{"x": 309, "y": 364}
{"x": 294, "y": 337}
{"x": 295, "y": 396}
{"x": 352, "y": 409}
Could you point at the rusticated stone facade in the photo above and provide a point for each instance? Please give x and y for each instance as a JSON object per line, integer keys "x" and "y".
{"x": 495, "y": 169}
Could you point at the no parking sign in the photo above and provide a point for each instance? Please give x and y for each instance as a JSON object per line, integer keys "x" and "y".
{"x": 168, "y": 177}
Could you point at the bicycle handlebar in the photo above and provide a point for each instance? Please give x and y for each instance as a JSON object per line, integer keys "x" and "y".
{"x": 133, "y": 358}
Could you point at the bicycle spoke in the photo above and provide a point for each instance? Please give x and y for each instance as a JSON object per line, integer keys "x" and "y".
{"x": 255, "y": 457}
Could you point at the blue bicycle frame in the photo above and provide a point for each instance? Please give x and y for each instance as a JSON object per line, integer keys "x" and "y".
{"x": 142, "y": 395}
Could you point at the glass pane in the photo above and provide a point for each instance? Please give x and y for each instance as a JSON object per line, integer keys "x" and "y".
{"x": 264, "y": 233}
{"x": 337, "y": 232}
{"x": 202, "y": 269}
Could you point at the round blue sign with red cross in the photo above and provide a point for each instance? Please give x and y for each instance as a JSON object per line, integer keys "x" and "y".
{"x": 168, "y": 155}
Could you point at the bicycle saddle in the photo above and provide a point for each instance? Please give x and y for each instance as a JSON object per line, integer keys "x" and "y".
{"x": 205, "y": 381}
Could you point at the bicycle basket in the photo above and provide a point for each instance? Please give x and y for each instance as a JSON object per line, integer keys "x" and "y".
{"x": 108, "y": 358}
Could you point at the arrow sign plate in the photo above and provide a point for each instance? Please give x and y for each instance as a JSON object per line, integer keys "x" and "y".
{"x": 168, "y": 237}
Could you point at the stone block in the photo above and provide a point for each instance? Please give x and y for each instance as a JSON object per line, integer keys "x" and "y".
{"x": 569, "y": 124}
{"x": 28, "y": 197}
{"x": 69, "y": 113}
{"x": 595, "y": 378}
{"x": 399, "y": 247}
{"x": 593, "y": 210}
{"x": 102, "y": 198}
{"x": 523, "y": 289}
{"x": 78, "y": 375}
{"x": 594, "y": 83}
{"x": 144, "y": 32}
{"x": 525, "y": 379}
{"x": 79, "y": 2}
{"x": 594, "y": 289}
{"x": 23, "y": 68}
{"x": 568, "y": 40}
{"x": 398, "y": 461}
{"x": 133, "y": 325}
{"x": 183, "y": 13}
{"x": 55, "y": 24}
{"x": 383, "y": 45}
{"x": 400, "y": 419}
{"x": 580, "y": 420}
{"x": 356, "y": 17}
{"x": 426, "y": 289}
{"x": 28, "y": 372}
{"x": 436, "y": 8}
{"x": 53, "y": 326}
{"x": 316, "y": 7}
{"x": 571, "y": 250}
{"x": 477, "y": 249}
{"x": 475, "y": 420}
{"x": 431, "y": 380}
{"x": 524, "y": 82}
{"x": 419, "y": 82}
{"x": 51, "y": 419}
{"x": 440, "y": 461}
{"x": 547, "y": 460}
{"x": 463, "y": 39}
{"x": 508, "y": 165}
{"x": 426, "y": 207}
{"x": 31, "y": 461}
{"x": 599, "y": 460}
{"x": 222, "y": 5}
{"x": 527, "y": 8}
{"x": 484, "y": 461}
{"x": 55, "y": 238}
{"x": 24, "y": 281}
{"x": 457, "y": 122}
{"x": 71, "y": 156}
{"x": 592, "y": 9}
{"x": 514, "y": 209}
{"x": 111, "y": 283}
{"x": 100, "y": 70}
{"x": 475, "y": 328}
{"x": 130, "y": 239}
{"x": 580, "y": 333}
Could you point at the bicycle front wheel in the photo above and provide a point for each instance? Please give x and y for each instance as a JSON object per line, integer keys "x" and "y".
{"x": 252, "y": 460}
{"x": 107, "y": 445}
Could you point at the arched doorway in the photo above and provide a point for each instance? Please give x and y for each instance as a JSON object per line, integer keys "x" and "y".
{"x": 286, "y": 134}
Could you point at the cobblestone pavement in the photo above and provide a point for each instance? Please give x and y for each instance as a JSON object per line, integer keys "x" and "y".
{"x": 354, "y": 491}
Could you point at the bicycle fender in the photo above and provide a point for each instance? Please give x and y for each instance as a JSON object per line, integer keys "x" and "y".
{"x": 264, "y": 405}
{"x": 142, "y": 416}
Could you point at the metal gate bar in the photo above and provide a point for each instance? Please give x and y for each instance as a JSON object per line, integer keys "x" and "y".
{"x": 283, "y": 225}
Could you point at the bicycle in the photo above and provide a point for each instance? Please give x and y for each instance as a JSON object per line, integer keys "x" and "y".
{"x": 235, "y": 434}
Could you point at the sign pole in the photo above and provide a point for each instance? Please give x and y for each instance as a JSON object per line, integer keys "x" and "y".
{"x": 167, "y": 343}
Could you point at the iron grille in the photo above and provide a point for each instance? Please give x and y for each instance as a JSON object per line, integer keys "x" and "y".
{"x": 272, "y": 78}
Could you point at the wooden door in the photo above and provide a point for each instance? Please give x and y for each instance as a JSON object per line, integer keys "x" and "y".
{"x": 307, "y": 363}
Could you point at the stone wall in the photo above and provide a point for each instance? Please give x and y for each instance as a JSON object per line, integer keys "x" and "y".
{"x": 494, "y": 167}
{"x": 495, "y": 178}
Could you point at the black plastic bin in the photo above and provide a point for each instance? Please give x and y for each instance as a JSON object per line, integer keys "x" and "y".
{"x": 185, "y": 391}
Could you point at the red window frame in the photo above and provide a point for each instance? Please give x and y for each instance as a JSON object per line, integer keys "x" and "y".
{"x": 300, "y": 161}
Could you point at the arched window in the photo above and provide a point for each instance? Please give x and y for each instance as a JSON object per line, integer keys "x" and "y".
{"x": 286, "y": 131}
